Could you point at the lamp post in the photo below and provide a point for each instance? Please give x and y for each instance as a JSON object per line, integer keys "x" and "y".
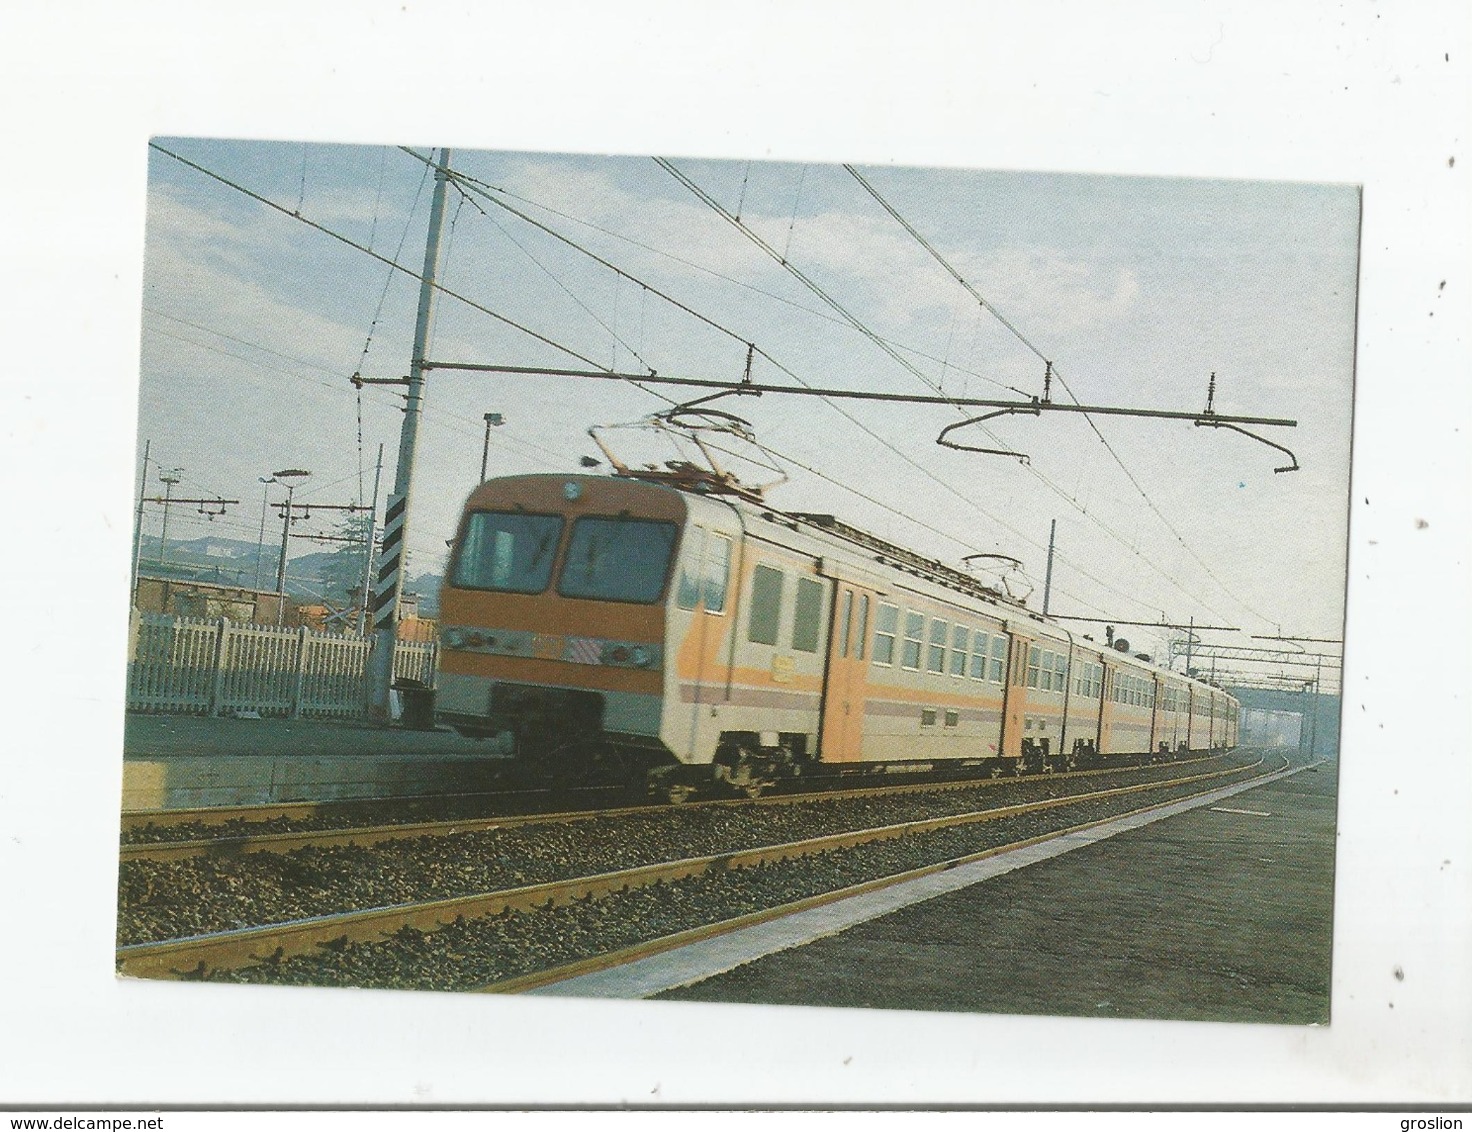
{"x": 493, "y": 420}
{"x": 288, "y": 477}
{"x": 265, "y": 482}
{"x": 168, "y": 477}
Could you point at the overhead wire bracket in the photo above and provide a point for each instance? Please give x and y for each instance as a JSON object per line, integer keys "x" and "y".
{"x": 1208, "y": 420}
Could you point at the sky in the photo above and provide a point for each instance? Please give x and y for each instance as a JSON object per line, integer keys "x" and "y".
{"x": 1136, "y": 289}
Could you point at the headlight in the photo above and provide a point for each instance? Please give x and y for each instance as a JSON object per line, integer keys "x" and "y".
{"x": 640, "y": 657}
{"x": 454, "y": 638}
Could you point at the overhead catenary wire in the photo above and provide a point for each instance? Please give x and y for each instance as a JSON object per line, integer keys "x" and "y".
{"x": 382, "y": 298}
{"x": 1052, "y": 366}
{"x": 552, "y": 276}
{"x": 472, "y": 425}
{"x": 863, "y": 329}
{"x": 482, "y": 190}
{"x": 350, "y": 242}
{"x": 473, "y": 304}
{"x": 486, "y": 191}
{"x": 542, "y": 454}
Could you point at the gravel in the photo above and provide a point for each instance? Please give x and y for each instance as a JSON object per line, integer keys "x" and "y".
{"x": 471, "y": 954}
{"x": 170, "y": 899}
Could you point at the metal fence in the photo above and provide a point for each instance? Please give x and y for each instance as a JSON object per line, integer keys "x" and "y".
{"x": 190, "y": 665}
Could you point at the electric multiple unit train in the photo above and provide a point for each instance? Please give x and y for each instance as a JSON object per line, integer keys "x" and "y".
{"x": 692, "y": 635}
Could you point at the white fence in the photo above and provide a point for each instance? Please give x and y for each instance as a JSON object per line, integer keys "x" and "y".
{"x": 190, "y": 665}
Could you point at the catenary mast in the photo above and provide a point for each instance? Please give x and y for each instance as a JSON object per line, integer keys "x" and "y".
{"x": 390, "y": 584}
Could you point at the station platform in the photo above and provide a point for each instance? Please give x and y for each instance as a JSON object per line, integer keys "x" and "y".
{"x": 180, "y": 762}
{"x": 1219, "y": 912}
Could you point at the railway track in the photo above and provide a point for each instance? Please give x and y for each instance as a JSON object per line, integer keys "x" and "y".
{"x": 337, "y": 813}
{"x": 539, "y": 928}
{"x": 343, "y": 832}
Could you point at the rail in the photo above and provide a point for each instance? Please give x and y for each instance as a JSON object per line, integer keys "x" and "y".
{"x": 287, "y": 841}
{"x": 195, "y": 956}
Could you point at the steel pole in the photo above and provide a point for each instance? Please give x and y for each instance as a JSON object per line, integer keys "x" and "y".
{"x": 1313, "y": 731}
{"x": 1048, "y": 577}
{"x": 138, "y": 523}
{"x": 163, "y": 538}
{"x": 368, "y": 550}
{"x": 261, "y": 537}
{"x": 396, "y": 517}
{"x": 281, "y": 562}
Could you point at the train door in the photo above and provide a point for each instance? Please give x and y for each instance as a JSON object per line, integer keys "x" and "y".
{"x": 845, "y": 682}
{"x": 1015, "y": 701}
{"x": 703, "y": 596}
{"x": 1190, "y": 717}
{"x": 1106, "y": 711}
{"x": 1157, "y": 686}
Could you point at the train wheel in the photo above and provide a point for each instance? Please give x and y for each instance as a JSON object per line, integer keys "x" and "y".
{"x": 677, "y": 793}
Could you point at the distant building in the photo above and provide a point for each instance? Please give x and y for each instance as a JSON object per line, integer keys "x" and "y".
{"x": 244, "y": 606}
{"x": 185, "y": 598}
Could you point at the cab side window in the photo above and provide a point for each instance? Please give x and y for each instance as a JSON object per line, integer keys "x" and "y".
{"x": 714, "y": 577}
{"x": 687, "y": 592}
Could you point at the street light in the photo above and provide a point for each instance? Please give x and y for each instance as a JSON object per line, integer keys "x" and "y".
{"x": 168, "y": 477}
{"x": 493, "y": 420}
{"x": 287, "y": 477}
{"x": 265, "y": 482}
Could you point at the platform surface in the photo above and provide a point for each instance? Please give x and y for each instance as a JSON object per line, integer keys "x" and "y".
{"x": 180, "y": 736}
{"x": 1222, "y": 913}
{"x": 180, "y": 761}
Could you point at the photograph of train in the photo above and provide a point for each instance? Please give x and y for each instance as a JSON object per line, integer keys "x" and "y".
{"x": 817, "y": 584}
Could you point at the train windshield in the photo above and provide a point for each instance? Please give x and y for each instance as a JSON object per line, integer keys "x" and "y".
{"x": 615, "y": 559}
{"x": 508, "y": 551}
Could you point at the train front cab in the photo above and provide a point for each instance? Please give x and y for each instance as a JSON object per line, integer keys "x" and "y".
{"x": 553, "y": 613}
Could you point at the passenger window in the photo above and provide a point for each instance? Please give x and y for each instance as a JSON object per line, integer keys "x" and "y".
{"x": 914, "y": 637}
{"x": 999, "y": 658}
{"x": 716, "y": 574}
{"x": 978, "y": 655}
{"x": 937, "y": 658}
{"x": 886, "y": 624}
{"x": 960, "y": 646}
{"x": 766, "y": 606}
{"x": 863, "y": 627}
{"x": 1034, "y": 659}
{"x": 807, "y": 615}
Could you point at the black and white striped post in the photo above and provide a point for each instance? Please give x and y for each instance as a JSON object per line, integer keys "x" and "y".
{"x": 390, "y": 582}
